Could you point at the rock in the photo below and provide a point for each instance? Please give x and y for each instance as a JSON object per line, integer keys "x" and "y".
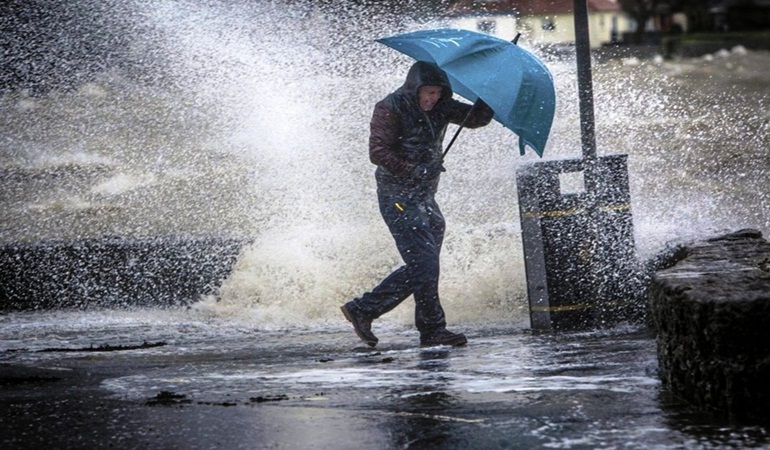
{"x": 114, "y": 271}
{"x": 712, "y": 312}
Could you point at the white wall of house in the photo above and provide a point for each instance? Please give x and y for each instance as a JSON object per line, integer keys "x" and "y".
{"x": 504, "y": 26}
{"x": 602, "y": 24}
{"x": 554, "y": 29}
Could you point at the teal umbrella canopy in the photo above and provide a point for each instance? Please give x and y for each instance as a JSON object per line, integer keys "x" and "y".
{"x": 513, "y": 82}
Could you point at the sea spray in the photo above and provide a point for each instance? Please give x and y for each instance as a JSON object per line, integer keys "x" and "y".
{"x": 250, "y": 119}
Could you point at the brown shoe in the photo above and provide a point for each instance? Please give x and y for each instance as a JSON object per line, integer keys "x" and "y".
{"x": 361, "y": 325}
{"x": 443, "y": 337}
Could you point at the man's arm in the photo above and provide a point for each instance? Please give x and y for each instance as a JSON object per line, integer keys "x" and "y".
{"x": 384, "y": 141}
{"x": 479, "y": 117}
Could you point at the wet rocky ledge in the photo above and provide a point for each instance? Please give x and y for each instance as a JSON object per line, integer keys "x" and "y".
{"x": 158, "y": 271}
{"x": 712, "y": 312}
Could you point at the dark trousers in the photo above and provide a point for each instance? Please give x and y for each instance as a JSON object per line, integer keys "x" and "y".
{"x": 417, "y": 226}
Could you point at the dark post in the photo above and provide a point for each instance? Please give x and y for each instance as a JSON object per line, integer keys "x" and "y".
{"x": 585, "y": 83}
{"x": 587, "y": 136}
{"x": 578, "y": 246}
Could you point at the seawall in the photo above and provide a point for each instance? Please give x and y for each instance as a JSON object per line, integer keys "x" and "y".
{"x": 114, "y": 271}
{"x": 712, "y": 312}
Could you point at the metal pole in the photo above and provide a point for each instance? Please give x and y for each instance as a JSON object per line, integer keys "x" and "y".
{"x": 585, "y": 83}
{"x": 588, "y": 140}
{"x": 586, "y": 103}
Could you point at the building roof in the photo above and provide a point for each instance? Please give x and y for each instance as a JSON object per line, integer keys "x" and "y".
{"x": 526, "y": 7}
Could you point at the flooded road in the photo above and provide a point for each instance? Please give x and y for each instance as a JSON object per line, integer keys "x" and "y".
{"x": 213, "y": 384}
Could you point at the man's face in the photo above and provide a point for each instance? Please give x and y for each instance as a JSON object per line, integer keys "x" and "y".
{"x": 429, "y": 95}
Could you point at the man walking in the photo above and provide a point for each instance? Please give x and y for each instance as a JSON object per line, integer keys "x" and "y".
{"x": 406, "y": 144}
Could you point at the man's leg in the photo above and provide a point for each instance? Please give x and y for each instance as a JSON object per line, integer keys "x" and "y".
{"x": 418, "y": 229}
{"x": 391, "y": 291}
{"x": 429, "y": 315}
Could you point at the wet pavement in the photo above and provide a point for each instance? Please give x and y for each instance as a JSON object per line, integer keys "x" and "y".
{"x": 320, "y": 389}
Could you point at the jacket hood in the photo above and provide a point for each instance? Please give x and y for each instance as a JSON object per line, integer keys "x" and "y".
{"x": 426, "y": 74}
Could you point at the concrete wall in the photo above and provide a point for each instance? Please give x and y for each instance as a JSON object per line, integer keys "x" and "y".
{"x": 712, "y": 312}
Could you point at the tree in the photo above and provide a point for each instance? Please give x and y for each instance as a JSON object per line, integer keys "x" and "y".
{"x": 697, "y": 11}
{"x": 641, "y": 11}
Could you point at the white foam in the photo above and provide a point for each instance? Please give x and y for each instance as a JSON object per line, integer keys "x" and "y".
{"x": 123, "y": 182}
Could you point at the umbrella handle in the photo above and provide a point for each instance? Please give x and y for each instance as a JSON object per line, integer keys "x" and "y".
{"x": 459, "y": 129}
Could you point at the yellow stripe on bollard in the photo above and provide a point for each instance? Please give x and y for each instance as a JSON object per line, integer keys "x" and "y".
{"x": 569, "y": 212}
{"x": 577, "y": 307}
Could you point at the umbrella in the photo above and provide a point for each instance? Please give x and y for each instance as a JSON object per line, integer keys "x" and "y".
{"x": 512, "y": 81}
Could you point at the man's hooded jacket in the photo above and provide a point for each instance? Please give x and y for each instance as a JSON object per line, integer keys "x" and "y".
{"x": 403, "y": 135}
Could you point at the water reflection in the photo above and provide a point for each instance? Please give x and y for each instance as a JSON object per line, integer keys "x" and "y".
{"x": 713, "y": 430}
{"x": 423, "y": 412}
{"x": 506, "y": 389}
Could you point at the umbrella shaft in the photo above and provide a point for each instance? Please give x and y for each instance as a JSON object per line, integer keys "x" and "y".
{"x": 459, "y": 129}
